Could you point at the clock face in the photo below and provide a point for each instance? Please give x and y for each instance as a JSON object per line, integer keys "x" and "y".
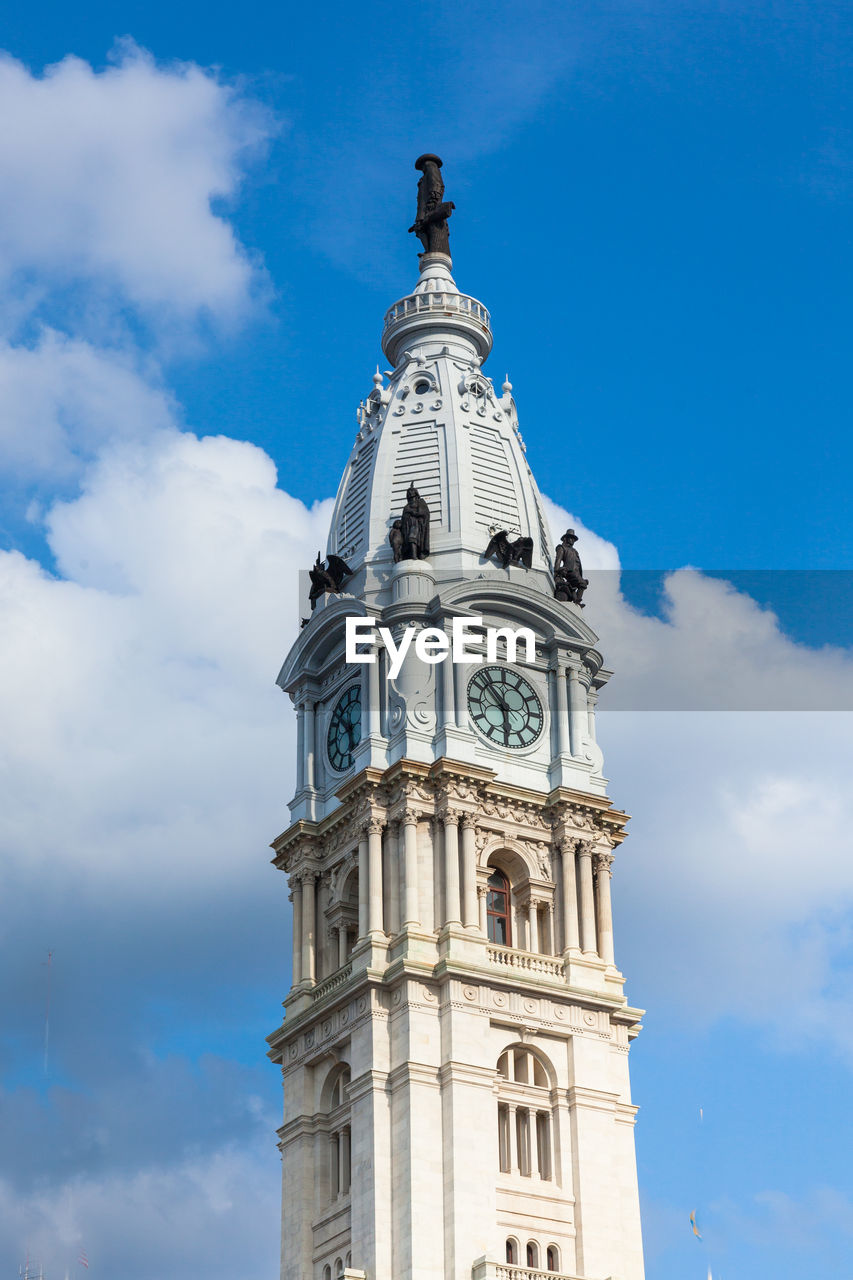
{"x": 345, "y": 729}
{"x": 504, "y": 707}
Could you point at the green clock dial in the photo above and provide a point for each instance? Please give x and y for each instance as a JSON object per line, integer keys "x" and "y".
{"x": 344, "y": 729}
{"x": 505, "y": 707}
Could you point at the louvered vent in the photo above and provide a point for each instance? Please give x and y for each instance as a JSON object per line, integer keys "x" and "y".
{"x": 495, "y": 501}
{"x": 543, "y": 536}
{"x": 419, "y": 460}
{"x": 354, "y": 515}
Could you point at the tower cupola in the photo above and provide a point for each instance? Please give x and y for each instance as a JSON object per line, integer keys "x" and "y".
{"x": 439, "y": 425}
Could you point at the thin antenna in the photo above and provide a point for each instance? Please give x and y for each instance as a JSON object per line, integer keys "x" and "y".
{"x": 47, "y": 1011}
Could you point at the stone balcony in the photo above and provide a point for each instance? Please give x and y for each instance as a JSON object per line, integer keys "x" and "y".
{"x": 489, "y": 1269}
{"x": 439, "y": 311}
{"x": 528, "y": 964}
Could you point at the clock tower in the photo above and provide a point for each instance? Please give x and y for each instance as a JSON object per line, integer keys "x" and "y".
{"x": 454, "y": 1051}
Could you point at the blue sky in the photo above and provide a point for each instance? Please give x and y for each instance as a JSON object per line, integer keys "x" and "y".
{"x": 202, "y": 221}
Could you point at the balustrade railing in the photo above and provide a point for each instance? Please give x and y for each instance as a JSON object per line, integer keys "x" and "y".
{"x": 416, "y": 303}
{"x": 331, "y": 984}
{"x": 525, "y": 961}
{"x": 488, "y": 1269}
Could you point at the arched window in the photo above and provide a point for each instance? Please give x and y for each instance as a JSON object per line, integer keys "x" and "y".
{"x": 327, "y": 1272}
{"x": 339, "y": 1268}
{"x": 512, "y": 1252}
{"x": 533, "y": 1255}
{"x": 552, "y": 1255}
{"x": 498, "y": 910}
{"x": 525, "y": 1123}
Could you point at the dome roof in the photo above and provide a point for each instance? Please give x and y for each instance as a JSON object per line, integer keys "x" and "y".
{"x": 438, "y": 424}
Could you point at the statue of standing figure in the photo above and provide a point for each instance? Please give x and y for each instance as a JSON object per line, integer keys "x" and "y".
{"x": 414, "y": 527}
{"x": 430, "y": 224}
{"x": 569, "y": 582}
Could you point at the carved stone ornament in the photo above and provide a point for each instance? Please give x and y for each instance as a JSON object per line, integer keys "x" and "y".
{"x": 513, "y": 811}
{"x": 603, "y": 862}
{"x": 509, "y": 551}
{"x": 328, "y": 576}
{"x": 374, "y": 826}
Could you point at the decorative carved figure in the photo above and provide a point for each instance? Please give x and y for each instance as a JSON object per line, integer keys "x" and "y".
{"x": 327, "y": 577}
{"x": 569, "y": 582}
{"x": 518, "y": 552}
{"x": 414, "y": 526}
{"x": 395, "y": 537}
{"x": 430, "y": 224}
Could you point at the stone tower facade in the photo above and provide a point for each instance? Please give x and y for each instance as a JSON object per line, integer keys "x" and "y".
{"x": 455, "y": 1045}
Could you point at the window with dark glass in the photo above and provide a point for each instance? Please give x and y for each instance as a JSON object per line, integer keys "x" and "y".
{"x": 497, "y": 909}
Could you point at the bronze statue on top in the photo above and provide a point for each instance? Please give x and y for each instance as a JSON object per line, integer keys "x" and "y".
{"x": 430, "y": 224}
{"x": 569, "y": 582}
{"x": 409, "y": 536}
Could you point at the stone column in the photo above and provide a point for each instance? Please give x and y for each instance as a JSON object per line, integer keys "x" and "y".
{"x": 534, "y": 1145}
{"x": 470, "y": 917}
{"x": 448, "y": 692}
{"x": 482, "y": 891}
{"x": 452, "y": 913}
{"x": 393, "y": 870}
{"x": 344, "y": 1175}
{"x": 603, "y": 863}
{"x": 578, "y": 715}
{"x": 512, "y": 1139}
{"x": 587, "y": 897}
{"x": 532, "y": 927}
{"x": 362, "y": 886}
{"x": 561, "y": 709}
{"x": 342, "y": 945}
{"x": 571, "y": 939}
{"x": 296, "y": 899}
{"x": 310, "y": 744}
{"x": 552, "y": 934}
{"x": 300, "y": 746}
{"x": 334, "y": 1166}
{"x": 372, "y": 708}
{"x": 411, "y": 909}
{"x": 374, "y": 876}
{"x": 308, "y": 925}
{"x": 591, "y": 700}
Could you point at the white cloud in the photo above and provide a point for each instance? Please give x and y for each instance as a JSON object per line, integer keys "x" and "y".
{"x": 736, "y": 882}
{"x": 598, "y": 556}
{"x": 144, "y": 689}
{"x": 63, "y": 399}
{"x": 217, "y": 1214}
{"x": 148, "y": 760}
{"x": 107, "y": 178}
